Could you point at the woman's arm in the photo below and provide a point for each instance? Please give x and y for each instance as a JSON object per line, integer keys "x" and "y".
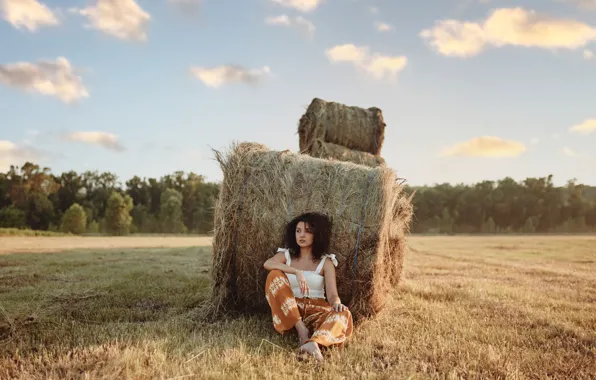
{"x": 331, "y": 286}
{"x": 279, "y": 262}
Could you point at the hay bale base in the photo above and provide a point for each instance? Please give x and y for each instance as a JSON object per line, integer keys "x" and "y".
{"x": 263, "y": 190}
{"x": 353, "y": 127}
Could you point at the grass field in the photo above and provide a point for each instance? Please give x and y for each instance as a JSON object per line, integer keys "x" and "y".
{"x": 468, "y": 307}
{"x": 50, "y": 244}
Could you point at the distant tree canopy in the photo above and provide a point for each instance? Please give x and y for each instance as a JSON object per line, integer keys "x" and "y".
{"x": 33, "y": 197}
{"x": 532, "y": 205}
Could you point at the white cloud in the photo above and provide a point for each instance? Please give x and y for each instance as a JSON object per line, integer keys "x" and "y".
{"x": 55, "y": 78}
{"x": 347, "y": 53}
{"x": 13, "y": 154}
{"x": 28, "y": 14}
{"x": 103, "y": 139}
{"x": 298, "y": 22}
{"x": 383, "y": 27}
{"x": 123, "y": 19}
{"x": 300, "y": 5}
{"x": 381, "y": 66}
{"x": 278, "y": 20}
{"x": 534, "y": 140}
{"x": 216, "y": 77}
{"x": 585, "y": 128}
{"x": 374, "y": 10}
{"x": 508, "y": 26}
{"x": 589, "y": 55}
{"x": 454, "y": 38}
{"x": 485, "y": 146}
{"x": 569, "y": 152}
{"x": 377, "y": 65}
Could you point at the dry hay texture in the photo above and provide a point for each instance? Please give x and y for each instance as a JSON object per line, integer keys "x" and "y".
{"x": 332, "y": 151}
{"x": 263, "y": 190}
{"x": 355, "y": 128}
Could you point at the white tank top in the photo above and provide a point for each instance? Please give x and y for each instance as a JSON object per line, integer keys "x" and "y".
{"x": 315, "y": 280}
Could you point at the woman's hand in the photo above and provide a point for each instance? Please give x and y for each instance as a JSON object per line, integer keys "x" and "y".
{"x": 339, "y": 307}
{"x": 302, "y": 283}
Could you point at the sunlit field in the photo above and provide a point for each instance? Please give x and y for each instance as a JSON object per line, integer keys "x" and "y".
{"x": 468, "y": 307}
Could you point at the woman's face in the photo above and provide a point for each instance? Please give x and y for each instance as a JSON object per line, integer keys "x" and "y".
{"x": 304, "y": 235}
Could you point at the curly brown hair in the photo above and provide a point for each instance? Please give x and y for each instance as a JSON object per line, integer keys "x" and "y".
{"x": 320, "y": 224}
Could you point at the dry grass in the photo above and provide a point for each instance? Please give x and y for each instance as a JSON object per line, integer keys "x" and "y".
{"x": 467, "y": 307}
{"x": 19, "y": 244}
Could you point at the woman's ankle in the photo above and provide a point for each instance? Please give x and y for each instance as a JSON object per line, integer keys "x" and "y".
{"x": 302, "y": 331}
{"x": 300, "y": 326}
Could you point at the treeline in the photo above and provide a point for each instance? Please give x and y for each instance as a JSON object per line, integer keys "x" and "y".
{"x": 92, "y": 202}
{"x": 505, "y": 206}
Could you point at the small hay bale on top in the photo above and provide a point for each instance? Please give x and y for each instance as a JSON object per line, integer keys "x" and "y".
{"x": 355, "y": 128}
{"x": 331, "y": 151}
{"x": 263, "y": 190}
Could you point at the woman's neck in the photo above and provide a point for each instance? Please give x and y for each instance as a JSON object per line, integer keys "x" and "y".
{"x": 306, "y": 253}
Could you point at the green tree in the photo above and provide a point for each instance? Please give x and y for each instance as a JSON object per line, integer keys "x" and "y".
{"x": 489, "y": 226}
{"x": 144, "y": 221}
{"x": 71, "y": 190}
{"x": 93, "y": 227}
{"x": 171, "y": 212}
{"x": 529, "y": 226}
{"x": 74, "y": 220}
{"x": 5, "y": 200}
{"x": 591, "y": 215}
{"x": 139, "y": 191}
{"x": 446, "y": 224}
{"x": 39, "y": 211}
{"x": 118, "y": 217}
{"x": 12, "y": 217}
{"x": 97, "y": 190}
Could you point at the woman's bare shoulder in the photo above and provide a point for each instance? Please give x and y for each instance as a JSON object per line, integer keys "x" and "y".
{"x": 328, "y": 267}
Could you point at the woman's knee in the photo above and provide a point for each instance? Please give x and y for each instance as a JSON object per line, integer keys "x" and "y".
{"x": 274, "y": 273}
{"x": 345, "y": 313}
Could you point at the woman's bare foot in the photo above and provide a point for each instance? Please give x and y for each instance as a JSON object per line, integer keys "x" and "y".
{"x": 313, "y": 349}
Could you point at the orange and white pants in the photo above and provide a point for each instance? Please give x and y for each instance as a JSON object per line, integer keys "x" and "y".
{"x": 328, "y": 327}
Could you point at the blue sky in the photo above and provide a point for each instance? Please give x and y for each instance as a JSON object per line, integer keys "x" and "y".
{"x": 470, "y": 89}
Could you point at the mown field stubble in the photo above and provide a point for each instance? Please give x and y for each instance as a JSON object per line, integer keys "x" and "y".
{"x": 467, "y": 307}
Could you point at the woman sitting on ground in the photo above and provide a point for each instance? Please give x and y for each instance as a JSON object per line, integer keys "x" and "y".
{"x": 300, "y": 277}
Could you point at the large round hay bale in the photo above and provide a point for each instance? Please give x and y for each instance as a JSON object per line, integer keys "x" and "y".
{"x": 355, "y": 128}
{"x": 262, "y": 190}
{"x": 332, "y": 151}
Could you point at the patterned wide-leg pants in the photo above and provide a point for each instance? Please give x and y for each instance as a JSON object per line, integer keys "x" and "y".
{"x": 328, "y": 327}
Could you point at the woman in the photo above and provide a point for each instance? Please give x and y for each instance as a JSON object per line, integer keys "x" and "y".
{"x": 301, "y": 276}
